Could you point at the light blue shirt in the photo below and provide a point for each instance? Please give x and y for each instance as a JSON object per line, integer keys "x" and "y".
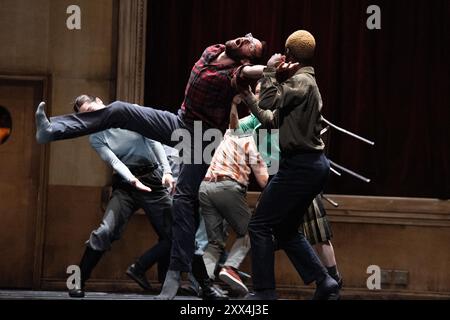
{"x": 122, "y": 149}
{"x": 174, "y": 160}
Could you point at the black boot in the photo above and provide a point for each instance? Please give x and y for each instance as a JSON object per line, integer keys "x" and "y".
{"x": 88, "y": 262}
{"x": 209, "y": 292}
{"x": 136, "y": 272}
{"x": 327, "y": 289}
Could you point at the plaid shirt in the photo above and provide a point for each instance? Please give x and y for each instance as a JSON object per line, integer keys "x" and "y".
{"x": 209, "y": 92}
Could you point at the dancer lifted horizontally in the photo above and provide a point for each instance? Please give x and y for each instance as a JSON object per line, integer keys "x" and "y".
{"x": 142, "y": 175}
{"x": 208, "y": 97}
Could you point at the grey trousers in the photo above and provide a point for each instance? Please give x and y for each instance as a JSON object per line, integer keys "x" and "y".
{"x": 219, "y": 201}
{"x": 123, "y": 204}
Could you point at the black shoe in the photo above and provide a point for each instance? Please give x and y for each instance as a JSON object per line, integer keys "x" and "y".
{"x": 192, "y": 288}
{"x": 139, "y": 277}
{"x": 76, "y": 293}
{"x": 87, "y": 264}
{"x": 188, "y": 290}
{"x": 209, "y": 292}
{"x": 212, "y": 293}
{"x": 262, "y": 295}
{"x": 327, "y": 289}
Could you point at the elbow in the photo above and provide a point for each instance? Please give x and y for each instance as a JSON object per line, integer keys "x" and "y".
{"x": 252, "y": 72}
{"x": 263, "y": 180}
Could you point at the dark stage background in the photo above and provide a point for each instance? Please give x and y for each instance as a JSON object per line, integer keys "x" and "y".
{"x": 389, "y": 85}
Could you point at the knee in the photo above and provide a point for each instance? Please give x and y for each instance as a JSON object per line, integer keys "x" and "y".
{"x": 117, "y": 105}
{"x": 183, "y": 204}
{"x": 118, "y": 108}
{"x": 102, "y": 238}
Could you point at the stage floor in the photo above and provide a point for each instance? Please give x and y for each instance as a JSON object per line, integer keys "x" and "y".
{"x": 347, "y": 294}
{"x": 63, "y": 295}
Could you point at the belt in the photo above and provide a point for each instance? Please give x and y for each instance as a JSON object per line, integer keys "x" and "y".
{"x": 293, "y": 153}
{"x": 219, "y": 179}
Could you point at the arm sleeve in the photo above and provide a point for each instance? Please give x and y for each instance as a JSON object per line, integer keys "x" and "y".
{"x": 101, "y": 147}
{"x": 276, "y": 95}
{"x": 257, "y": 163}
{"x": 239, "y": 81}
{"x": 160, "y": 154}
{"x": 264, "y": 116}
{"x": 248, "y": 124}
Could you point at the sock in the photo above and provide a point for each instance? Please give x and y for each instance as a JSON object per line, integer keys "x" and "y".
{"x": 170, "y": 286}
{"x": 43, "y": 126}
{"x": 193, "y": 282}
{"x": 199, "y": 271}
{"x": 334, "y": 273}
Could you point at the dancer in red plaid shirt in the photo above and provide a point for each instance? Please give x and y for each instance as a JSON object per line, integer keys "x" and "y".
{"x": 212, "y": 85}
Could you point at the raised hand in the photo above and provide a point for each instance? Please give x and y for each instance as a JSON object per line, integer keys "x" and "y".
{"x": 169, "y": 182}
{"x": 286, "y": 70}
{"x": 237, "y": 99}
{"x": 248, "y": 96}
{"x": 276, "y": 60}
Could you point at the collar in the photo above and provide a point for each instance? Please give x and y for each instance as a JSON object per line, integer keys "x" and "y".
{"x": 213, "y": 53}
{"x": 308, "y": 70}
{"x": 238, "y": 133}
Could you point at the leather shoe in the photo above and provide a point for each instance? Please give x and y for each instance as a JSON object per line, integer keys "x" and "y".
{"x": 76, "y": 293}
{"x": 212, "y": 293}
{"x": 139, "y": 277}
{"x": 327, "y": 289}
{"x": 262, "y": 295}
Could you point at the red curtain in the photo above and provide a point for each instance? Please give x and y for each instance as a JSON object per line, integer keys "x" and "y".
{"x": 389, "y": 85}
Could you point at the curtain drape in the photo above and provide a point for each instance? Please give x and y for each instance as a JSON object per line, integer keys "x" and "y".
{"x": 390, "y": 85}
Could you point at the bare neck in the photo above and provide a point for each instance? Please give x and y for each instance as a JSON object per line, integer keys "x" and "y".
{"x": 224, "y": 59}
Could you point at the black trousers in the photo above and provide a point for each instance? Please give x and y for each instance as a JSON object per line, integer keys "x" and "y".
{"x": 279, "y": 215}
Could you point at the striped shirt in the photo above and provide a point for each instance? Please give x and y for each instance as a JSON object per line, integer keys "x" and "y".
{"x": 235, "y": 158}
